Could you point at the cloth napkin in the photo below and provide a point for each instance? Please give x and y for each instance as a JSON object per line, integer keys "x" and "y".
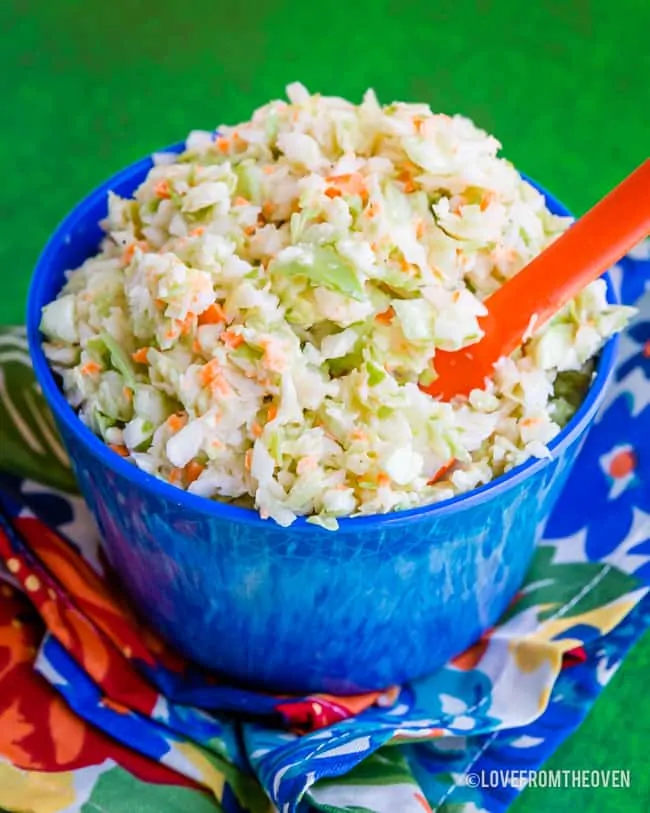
{"x": 97, "y": 713}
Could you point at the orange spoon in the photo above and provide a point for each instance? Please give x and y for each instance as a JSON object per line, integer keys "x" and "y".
{"x": 584, "y": 252}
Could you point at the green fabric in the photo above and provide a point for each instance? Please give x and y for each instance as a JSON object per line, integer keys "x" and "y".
{"x": 89, "y": 87}
{"x": 117, "y": 791}
{"x": 30, "y": 443}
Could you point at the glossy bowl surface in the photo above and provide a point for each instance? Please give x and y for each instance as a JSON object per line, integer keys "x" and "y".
{"x": 383, "y": 600}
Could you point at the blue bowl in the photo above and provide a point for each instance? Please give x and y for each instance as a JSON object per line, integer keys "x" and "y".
{"x": 383, "y": 600}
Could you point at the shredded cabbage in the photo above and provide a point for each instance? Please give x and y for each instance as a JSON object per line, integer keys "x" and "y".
{"x": 262, "y": 311}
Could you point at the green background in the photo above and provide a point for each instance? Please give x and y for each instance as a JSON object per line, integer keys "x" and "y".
{"x": 91, "y": 86}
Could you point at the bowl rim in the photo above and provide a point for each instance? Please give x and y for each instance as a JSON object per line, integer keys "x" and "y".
{"x": 67, "y": 417}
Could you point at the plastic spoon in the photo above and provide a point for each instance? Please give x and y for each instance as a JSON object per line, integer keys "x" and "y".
{"x": 528, "y": 300}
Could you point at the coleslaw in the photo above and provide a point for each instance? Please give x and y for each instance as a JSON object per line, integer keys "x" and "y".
{"x": 261, "y": 313}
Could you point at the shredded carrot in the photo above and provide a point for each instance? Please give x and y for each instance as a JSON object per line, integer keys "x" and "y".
{"x": 409, "y": 183}
{"x": 409, "y": 166}
{"x": 272, "y": 413}
{"x": 119, "y": 449}
{"x": 240, "y": 201}
{"x": 128, "y": 393}
{"x": 141, "y": 355}
{"x": 267, "y": 210}
{"x": 233, "y": 340}
{"x": 340, "y": 179}
{"x": 455, "y": 296}
{"x": 486, "y": 200}
{"x": 441, "y": 471}
{"x": 404, "y": 264}
{"x": 186, "y": 325}
{"x": 248, "y": 460}
{"x": 177, "y": 421}
{"x": 419, "y": 229}
{"x": 209, "y": 372}
{"x": 383, "y": 479}
{"x": 385, "y": 317}
{"x": 161, "y": 190}
{"x": 256, "y": 430}
{"x": 129, "y": 251}
{"x": 193, "y": 471}
{"x": 223, "y": 144}
{"x": 274, "y": 358}
{"x": 90, "y": 368}
{"x": 238, "y": 139}
{"x": 418, "y": 121}
{"x": 197, "y": 232}
{"x": 351, "y": 184}
{"x": 175, "y": 476}
{"x": 160, "y": 304}
{"x": 358, "y": 434}
{"x": 373, "y": 209}
{"x": 333, "y": 192}
{"x": 127, "y": 254}
{"x": 249, "y": 231}
{"x": 526, "y": 422}
{"x": 268, "y": 170}
{"x": 405, "y": 175}
{"x": 212, "y": 315}
{"x": 196, "y": 346}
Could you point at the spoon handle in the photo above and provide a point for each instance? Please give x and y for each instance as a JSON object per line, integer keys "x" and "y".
{"x": 584, "y": 252}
